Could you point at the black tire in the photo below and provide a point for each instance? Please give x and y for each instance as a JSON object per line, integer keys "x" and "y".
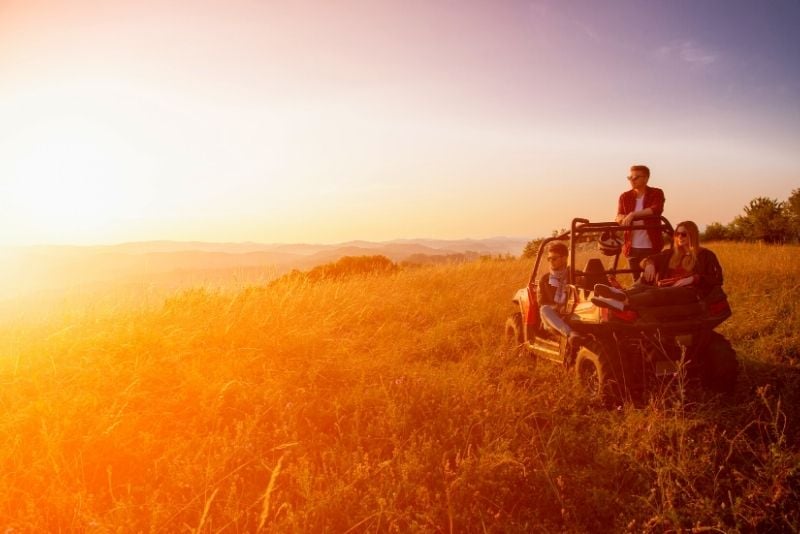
{"x": 515, "y": 338}
{"x": 598, "y": 375}
{"x": 719, "y": 367}
{"x": 514, "y": 333}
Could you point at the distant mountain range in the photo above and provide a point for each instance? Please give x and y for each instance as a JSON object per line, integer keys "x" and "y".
{"x": 25, "y": 270}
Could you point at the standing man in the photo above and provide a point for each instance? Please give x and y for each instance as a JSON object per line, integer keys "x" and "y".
{"x": 640, "y": 201}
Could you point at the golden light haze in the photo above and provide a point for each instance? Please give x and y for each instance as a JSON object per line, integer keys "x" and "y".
{"x": 320, "y": 122}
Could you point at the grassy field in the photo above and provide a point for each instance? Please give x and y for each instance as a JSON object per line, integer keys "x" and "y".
{"x": 383, "y": 403}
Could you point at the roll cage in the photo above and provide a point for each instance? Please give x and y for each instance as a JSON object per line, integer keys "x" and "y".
{"x": 584, "y": 228}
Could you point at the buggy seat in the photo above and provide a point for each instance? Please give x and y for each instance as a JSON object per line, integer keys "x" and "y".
{"x": 593, "y": 273}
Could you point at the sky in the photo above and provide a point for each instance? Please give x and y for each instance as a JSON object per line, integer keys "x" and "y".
{"x": 329, "y": 121}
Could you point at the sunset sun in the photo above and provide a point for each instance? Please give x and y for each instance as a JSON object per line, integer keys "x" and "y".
{"x": 69, "y": 174}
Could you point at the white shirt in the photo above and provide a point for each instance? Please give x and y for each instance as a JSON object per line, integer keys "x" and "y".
{"x": 639, "y": 238}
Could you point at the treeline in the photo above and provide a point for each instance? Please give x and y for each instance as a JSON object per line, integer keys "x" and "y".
{"x": 344, "y": 267}
{"x": 532, "y": 247}
{"x": 348, "y": 266}
{"x": 764, "y": 219}
{"x": 418, "y": 259}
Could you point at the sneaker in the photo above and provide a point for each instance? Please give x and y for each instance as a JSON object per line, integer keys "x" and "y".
{"x": 602, "y": 290}
{"x": 605, "y": 302}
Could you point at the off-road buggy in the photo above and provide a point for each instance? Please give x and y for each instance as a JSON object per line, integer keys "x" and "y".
{"x": 624, "y": 353}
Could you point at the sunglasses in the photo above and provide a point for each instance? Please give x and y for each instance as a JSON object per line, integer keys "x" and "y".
{"x": 553, "y": 258}
{"x": 632, "y": 178}
{"x": 681, "y": 234}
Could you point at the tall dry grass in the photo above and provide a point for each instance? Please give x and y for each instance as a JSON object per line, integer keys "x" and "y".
{"x": 383, "y": 403}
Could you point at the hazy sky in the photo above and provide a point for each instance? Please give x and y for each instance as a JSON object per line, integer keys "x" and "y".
{"x": 334, "y": 120}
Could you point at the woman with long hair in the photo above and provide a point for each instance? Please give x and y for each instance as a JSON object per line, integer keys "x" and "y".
{"x": 685, "y": 273}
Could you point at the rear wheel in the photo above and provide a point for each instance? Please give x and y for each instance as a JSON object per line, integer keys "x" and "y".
{"x": 597, "y": 374}
{"x": 719, "y": 368}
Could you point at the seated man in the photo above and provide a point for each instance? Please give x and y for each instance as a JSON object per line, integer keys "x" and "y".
{"x": 553, "y": 292}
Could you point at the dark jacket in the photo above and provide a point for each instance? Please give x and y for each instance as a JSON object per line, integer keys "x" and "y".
{"x": 546, "y": 293}
{"x": 653, "y": 199}
{"x": 707, "y": 270}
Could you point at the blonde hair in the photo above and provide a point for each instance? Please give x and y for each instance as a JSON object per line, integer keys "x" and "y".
{"x": 686, "y": 259}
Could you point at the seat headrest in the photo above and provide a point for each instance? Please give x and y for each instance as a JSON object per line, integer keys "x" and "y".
{"x": 593, "y": 273}
{"x": 594, "y": 266}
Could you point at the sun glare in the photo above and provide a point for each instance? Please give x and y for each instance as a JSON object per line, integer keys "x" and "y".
{"x": 66, "y": 180}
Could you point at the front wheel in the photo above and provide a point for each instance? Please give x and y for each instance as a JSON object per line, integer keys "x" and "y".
{"x": 515, "y": 337}
{"x": 514, "y": 334}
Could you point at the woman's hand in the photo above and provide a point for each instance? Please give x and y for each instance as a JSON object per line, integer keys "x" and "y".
{"x": 649, "y": 272}
{"x": 684, "y": 282}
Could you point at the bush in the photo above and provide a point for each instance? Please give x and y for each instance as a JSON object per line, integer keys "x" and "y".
{"x": 352, "y": 265}
{"x": 715, "y": 232}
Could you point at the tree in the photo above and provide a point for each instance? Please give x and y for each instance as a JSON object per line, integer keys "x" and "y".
{"x": 764, "y": 219}
{"x": 734, "y": 232}
{"x": 716, "y": 232}
{"x": 793, "y": 213}
{"x": 532, "y": 248}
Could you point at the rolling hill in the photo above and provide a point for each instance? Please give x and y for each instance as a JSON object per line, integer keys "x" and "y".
{"x": 31, "y": 270}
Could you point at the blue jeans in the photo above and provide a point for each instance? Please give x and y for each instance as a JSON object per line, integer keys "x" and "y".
{"x": 552, "y": 319}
